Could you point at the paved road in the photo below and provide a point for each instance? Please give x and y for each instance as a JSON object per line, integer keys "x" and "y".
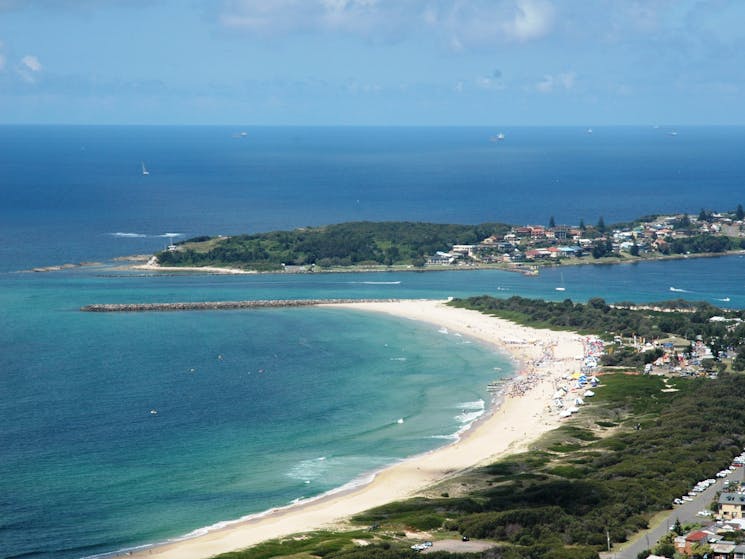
{"x": 685, "y": 512}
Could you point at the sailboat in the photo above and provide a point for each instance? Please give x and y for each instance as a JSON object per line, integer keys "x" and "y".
{"x": 561, "y": 288}
{"x": 145, "y": 172}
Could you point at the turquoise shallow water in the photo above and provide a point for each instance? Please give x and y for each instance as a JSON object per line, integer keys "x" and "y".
{"x": 254, "y": 410}
{"x": 302, "y": 400}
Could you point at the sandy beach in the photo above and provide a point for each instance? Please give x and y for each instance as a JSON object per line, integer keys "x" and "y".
{"x": 542, "y": 358}
{"x": 152, "y": 266}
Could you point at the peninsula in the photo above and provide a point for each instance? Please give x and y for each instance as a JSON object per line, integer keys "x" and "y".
{"x": 363, "y": 246}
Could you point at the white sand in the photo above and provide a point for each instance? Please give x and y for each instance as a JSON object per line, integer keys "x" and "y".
{"x": 153, "y": 266}
{"x": 543, "y": 356}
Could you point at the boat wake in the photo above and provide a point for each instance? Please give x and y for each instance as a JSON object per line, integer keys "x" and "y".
{"x": 723, "y": 299}
{"x": 676, "y": 290}
{"x": 127, "y": 235}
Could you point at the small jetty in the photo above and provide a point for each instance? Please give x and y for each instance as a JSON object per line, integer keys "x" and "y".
{"x": 223, "y": 305}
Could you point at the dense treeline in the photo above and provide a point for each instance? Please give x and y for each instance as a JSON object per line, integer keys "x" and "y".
{"x": 345, "y": 244}
{"x": 596, "y": 316}
{"x": 702, "y": 244}
{"x": 580, "y": 486}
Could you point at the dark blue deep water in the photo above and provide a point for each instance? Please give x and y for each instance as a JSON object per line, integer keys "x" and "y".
{"x": 257, "y": 409}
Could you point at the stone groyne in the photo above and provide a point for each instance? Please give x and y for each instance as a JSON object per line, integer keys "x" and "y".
{"x": 222, "y": 305}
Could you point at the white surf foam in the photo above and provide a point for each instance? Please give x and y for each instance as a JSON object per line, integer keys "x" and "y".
{"x": 128, "y": 235}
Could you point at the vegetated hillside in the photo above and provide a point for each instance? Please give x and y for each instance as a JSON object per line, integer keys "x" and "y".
{"x": 600, "y": 476}
{"x": 598, "y": 317}
{"x": 344, "y": 244}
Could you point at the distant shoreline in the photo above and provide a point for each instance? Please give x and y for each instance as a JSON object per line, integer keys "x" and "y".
{"x": 153, "y": 267}
{"x": 145, "y": 263}
{"x": 522, "y": 417}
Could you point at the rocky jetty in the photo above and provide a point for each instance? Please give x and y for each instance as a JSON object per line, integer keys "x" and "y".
{"x": 220, "y": 305}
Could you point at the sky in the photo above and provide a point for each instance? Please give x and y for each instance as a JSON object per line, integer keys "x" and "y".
{"x": 373, "y": 62}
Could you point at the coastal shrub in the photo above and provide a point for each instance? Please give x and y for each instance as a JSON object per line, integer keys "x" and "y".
{"x": 327, "y": 548}
{"x": 569, "y": 472}
{"x": 429, "y": 521}
{"x": 375, "y": 552}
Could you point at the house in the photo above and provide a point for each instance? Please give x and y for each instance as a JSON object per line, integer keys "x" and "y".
{"x": 739, "y": 552}
{"x": 731, "y": 505}
{"x": 685, "y": 544}
{"x": 465, "y": 250}
{"x": 440, "y": 258}
{"x": 723, "y": 550}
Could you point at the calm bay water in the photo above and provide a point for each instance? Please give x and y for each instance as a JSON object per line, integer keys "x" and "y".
{"x": 257, "y": 409}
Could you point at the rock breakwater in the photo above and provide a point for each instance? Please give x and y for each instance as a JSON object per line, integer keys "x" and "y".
{"x": 221, "y": 305}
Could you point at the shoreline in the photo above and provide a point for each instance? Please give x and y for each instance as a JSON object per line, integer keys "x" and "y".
{"x": 542, "y": 358}
{"x": 150, "y": 266}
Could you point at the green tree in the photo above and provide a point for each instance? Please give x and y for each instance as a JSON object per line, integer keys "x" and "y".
{"x": 582, "y": 226}
{"x": 739, "y": 213}
{"x": 684, "y": 222}
{"x": 551, "y": 222}
{"x": 601, "y": 225}
{"x": 634, "y": 251}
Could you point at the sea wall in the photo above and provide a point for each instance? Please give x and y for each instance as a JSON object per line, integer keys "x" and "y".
{"x": 221, "y": 305}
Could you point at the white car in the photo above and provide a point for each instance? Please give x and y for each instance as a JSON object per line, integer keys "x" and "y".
{"x": 687, "y": 498}
{"x": 678, "y": 501}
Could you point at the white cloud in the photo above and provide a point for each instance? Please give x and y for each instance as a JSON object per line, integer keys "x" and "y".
{"x": 28, "y": 68}
{"x": 460, "y": 24}
{"x": 31, "y": 62}
{"x": 563, "y": 81}
{"x": 287, "y": 16}
{"x": 532, "y": 20}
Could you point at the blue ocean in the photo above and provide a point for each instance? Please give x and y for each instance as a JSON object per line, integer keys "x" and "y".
{"x": 125, "y": 430}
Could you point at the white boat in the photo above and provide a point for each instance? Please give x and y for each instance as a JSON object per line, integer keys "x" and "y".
{"x": 561, "y": 287}
{"x": 145, "y": 172}
{"x": 498, "y": 138}
{"x": 589, "y": 130}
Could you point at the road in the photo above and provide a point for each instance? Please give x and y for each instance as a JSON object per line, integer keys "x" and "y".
{"x": 686, "y": 513}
